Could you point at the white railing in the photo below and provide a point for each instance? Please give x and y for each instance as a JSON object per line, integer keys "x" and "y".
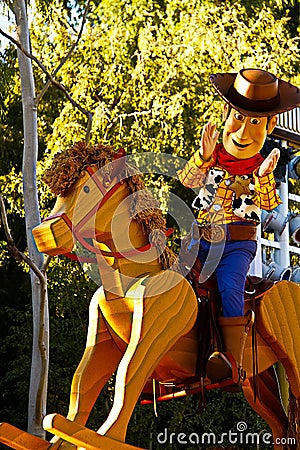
{"x": 290, "y": 120}
{"x": 278, "y": 244}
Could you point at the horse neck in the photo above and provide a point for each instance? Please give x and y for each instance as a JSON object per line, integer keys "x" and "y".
{"x": 120, "y": 233}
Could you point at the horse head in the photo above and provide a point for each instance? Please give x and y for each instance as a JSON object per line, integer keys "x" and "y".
{"x": 101, "y": 199}
{"x": 83, "y": 178}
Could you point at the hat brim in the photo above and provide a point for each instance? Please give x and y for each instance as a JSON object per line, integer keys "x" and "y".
{"x": 289, "y": 97}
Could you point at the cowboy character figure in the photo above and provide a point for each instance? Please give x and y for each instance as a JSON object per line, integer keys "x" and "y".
{"x": 236, "y": 183}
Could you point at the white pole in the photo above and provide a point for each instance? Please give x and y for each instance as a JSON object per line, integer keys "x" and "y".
{"x": 282, "y": 256}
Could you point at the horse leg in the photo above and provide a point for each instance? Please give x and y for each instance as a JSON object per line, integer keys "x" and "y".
{"x": 90, "y": 377}
{"x": 158, "y": 322}
{"x": 268, "y": 402}
{"x": 99, "y": 361}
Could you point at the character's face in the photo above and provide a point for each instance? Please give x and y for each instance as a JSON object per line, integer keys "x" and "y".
{"x": 244, "y": 136}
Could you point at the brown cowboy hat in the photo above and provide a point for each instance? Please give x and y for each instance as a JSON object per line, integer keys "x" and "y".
{"x": 256, "y": 92}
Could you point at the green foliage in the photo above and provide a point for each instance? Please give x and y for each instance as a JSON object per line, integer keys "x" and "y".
{"x": 222, "y": 414}
{"x": 142, "y": 68}
{"x": 10, "y": 113}
{"x": 15, "y": 338}
{"x": 146, "y": 80}
{"x": 69, "y": 295}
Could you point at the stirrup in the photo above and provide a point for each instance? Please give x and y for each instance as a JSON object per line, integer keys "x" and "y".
{"x": 223, "y": 366}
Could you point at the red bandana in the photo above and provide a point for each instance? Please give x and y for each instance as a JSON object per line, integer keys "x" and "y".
{"x": 236, "y": 166}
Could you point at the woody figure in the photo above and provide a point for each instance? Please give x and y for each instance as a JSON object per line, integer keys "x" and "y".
{"x": 236, "y": 182}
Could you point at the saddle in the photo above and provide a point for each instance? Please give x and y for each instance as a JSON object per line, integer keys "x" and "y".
{"x": 209, "y": 335}
{"x": 210, "y": 309}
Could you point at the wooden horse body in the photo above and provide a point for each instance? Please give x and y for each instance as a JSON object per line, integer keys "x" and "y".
{"x": 143, "y": 319}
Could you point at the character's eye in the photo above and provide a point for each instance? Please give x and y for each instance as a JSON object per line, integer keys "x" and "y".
{"x": 239, "y": 117}
{"x": 86, "y": 189}
{"x": 255, "y": 120}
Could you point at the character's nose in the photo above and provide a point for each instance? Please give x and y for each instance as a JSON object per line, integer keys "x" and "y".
{"x": 242, "y": 132}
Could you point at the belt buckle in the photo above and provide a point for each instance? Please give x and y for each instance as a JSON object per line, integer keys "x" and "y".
{"x": 213, "y": 233}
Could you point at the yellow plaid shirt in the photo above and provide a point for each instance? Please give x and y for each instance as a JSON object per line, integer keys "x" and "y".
{"x": 193, "y": 175}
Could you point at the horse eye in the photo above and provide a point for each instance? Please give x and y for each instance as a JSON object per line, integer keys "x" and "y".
{"x": 86, "y": 189}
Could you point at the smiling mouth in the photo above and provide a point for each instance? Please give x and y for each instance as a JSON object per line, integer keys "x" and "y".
{"x": 240, "y": 145}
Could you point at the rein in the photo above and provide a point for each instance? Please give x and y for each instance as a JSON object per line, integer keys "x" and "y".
{"x": 76, "y": 229}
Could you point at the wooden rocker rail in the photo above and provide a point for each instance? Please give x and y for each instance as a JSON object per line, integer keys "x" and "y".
{"x": 77, "y": 435}
{"x": 18, "y": 439}
{"x": 82, "y": 436}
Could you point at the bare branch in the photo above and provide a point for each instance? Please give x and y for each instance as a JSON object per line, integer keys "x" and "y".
{"x": 15, "y": 252}
{"x": 46, "y": 263}
{"x": 59, "y": 86}
{"x": 134, "y": 114}
{"x": 65, "y": 58}
{"x": 4, "y": 221}
{"x": 122, "y": 116}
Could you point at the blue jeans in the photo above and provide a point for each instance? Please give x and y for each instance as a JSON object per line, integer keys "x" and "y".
{"x": 230, "y": 263}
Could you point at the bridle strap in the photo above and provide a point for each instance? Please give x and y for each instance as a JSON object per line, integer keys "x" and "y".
{"x": 118, "y": 255}
{"x": 83, "y": 239}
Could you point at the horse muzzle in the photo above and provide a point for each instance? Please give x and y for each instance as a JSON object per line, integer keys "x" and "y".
{"x": 54, "y": 235}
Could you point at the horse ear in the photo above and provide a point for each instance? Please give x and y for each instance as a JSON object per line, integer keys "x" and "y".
{"x": 120, "y": 153}
{"x": 118, "y": 162}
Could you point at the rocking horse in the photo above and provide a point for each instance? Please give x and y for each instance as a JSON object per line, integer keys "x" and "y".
{"x": 144, "y": 320}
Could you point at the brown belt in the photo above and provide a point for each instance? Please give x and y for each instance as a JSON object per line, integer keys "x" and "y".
{"x": 217, "y": 233}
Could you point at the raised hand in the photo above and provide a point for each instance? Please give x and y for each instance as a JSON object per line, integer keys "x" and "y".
{"x": 270, "y": 163}
{"x": 209, "y": 139}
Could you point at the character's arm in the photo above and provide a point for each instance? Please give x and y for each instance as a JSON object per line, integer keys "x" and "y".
{"x": 264, "y": 183}
{"x": 194, "y": 172}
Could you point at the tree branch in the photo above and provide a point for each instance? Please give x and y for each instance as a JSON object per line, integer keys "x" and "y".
{"x": 122, "y": 116}
{"x": 51, "y": 78}
{"x": 46, "y": 264}
{"x": 65, "y": 58}
{"x": 15, "y": 252}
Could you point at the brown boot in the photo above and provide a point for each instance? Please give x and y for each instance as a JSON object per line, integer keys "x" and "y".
{"x": 229, "y": 365}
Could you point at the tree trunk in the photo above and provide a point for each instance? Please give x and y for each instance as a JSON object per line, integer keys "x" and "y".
{"x": 40, "y": 345}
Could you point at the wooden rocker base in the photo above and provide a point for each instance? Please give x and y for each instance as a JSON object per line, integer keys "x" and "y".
{"x": 71, "y": 432}
{"x": 18, "y": 439}
{"x": 81, "y": 436}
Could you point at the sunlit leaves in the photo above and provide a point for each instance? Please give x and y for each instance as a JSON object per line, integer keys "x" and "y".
{"x": 142, "y": 68}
